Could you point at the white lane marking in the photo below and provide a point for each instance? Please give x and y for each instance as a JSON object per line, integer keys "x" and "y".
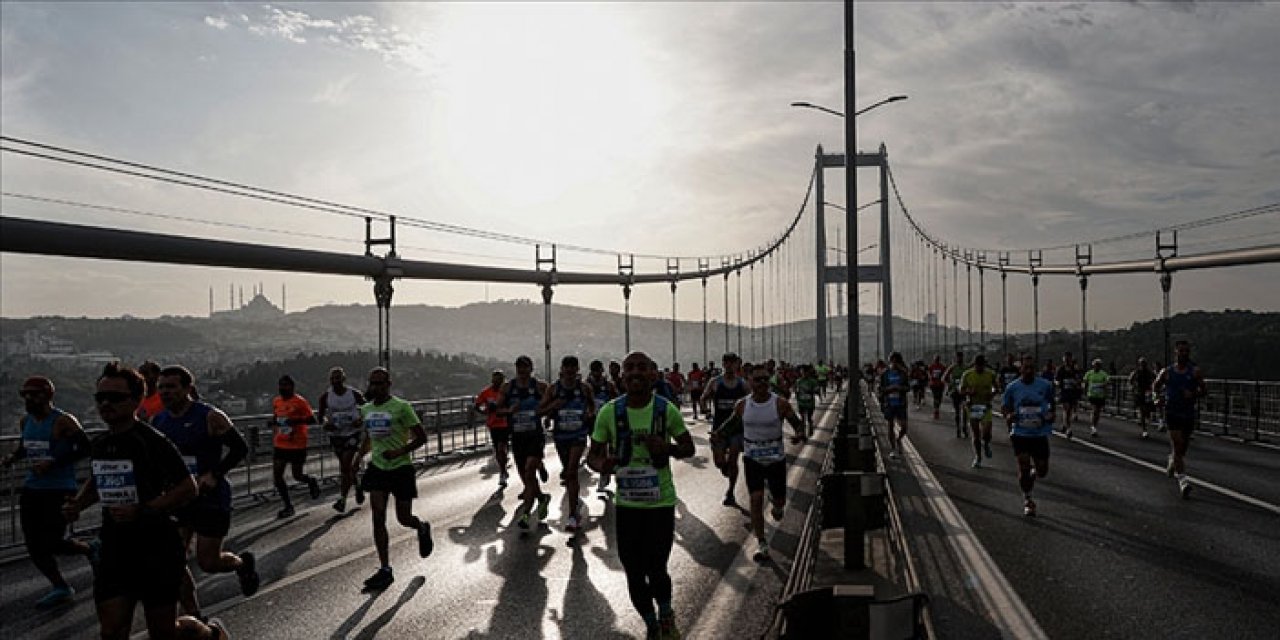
{"x": 1005, "y": 609}
{"x": 1247, "y": 499}
{"x": 720, "y": 609}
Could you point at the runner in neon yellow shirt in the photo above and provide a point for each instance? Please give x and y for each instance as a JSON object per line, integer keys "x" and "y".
{"x": 978, "y": 386}
{"x": 1095, "y": 384}
{"x": 635, "y": 437}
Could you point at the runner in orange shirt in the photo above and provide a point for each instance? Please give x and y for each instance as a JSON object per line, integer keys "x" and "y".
{"x": 150, "y": 406}
{"x": 290, "y": 415}
{"x": 489, "y": 400}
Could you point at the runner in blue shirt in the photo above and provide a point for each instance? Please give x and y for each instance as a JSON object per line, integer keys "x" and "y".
{"x": 1029, "y": 409}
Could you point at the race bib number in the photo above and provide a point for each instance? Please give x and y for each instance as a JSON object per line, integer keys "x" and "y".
{"x": 977, "y": 411}
{"x": 804, "y": 396}
{"x": 343, "y": 420}
{"x": 525, "y": 421}
{"x": 1069, "y": 383}
{"x": 37, "y": 450}
{"x": 725, "y": 405}
{"x": 1097, "y": 389}
{"x": 569, "y": 420}
{"x": 379, "y": 424}
{"x": 764, "y": 451}
{"x": 1029, "y": 418}
{"x": 190, "y": 461}
{"x": 285, "y": 430}
{"x": 639, "y": 484}
{"x": 894, "y": 398}
{"x": 115, "y": 482}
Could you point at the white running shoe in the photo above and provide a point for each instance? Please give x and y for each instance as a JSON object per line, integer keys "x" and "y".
{"x": 762, "y": 551}
{"x": 1029, "y": 508}
{"x": 777, "y": 512}
{"x": 1184, "y": 487}
{"x": 1093, "y": 432}
{"x": 502, "y": 478}
{"x": 977, "y": 462}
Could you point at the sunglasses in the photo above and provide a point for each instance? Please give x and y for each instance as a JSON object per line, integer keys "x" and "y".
{"x": 111, "y": 397}
{"x": 33, "y": 393}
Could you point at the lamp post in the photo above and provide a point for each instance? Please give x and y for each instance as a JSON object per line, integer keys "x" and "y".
{"x": 810, "y": 105}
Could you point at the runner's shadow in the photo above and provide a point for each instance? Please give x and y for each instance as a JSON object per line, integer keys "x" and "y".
{"x": 353, "y": 620}
{"x": 483, "y": 527}
{"x": 274, "y": 565}
{"x": 609, "y": 553}
{"x": 587, "y": 612}
{"x": 249, "y": 536}
{"x": 381, "y": 621}
{"x": 523, "y": 596}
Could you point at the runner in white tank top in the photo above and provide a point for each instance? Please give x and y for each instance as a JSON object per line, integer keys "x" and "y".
{"x": 339, "y": 409}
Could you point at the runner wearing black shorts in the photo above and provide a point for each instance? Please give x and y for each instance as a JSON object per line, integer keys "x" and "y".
{"x": 1182, "y": 385}
{"x": 522, "y": 395}
{"x": 338, "y": 413}
{"x": 1029, "y": 410}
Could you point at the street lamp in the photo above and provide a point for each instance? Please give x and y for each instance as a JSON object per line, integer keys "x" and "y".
{"x": 810, "y": 105}
{"x": 840, "y": 207}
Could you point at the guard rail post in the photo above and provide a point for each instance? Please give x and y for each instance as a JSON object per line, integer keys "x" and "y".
{"x": 1257, "y": 409}
{"x": 252, "y": 432}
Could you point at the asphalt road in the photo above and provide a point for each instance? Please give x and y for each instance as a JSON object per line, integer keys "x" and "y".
{"x": 1115, "y": 552}
{"x": 486, "y": 579}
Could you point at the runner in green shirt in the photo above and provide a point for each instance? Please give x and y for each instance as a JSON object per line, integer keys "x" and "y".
{"x": 635, "y": 437}
{"x": 808, "y": 388}
{"x": 1095, "y": 385}
{"x": 390, "y": 422}
{"x": 978, "y": 386}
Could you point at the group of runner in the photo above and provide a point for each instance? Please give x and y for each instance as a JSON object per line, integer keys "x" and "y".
{"x": 1030, "y": 400}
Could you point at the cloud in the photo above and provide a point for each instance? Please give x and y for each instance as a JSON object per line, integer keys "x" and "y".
{"x": 356, "y": 32}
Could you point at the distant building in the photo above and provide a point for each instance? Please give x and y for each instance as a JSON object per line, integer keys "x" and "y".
{"x": 258, "y": 308}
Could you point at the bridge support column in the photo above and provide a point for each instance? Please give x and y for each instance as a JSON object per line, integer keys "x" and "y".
{"x": 1083, "y": 259}
{"x": 1034, "y": 260}
{"x": 626, "y": 273}
{"x": 702, "y": 266}
{"x": 982, "y": 305}
{"x": 539, "y": 261}
{"x": 820, "y": 254}
{"x": 1165, "y": 251}
{"x": 1004, "y": 304}
{"x": 382, "y": 292}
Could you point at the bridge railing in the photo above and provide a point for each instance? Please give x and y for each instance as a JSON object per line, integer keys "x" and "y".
{"x": 1246, "y": 408}
{"x": 453, "y": 429}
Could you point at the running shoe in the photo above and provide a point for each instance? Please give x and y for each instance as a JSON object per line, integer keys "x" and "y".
{"x": 1093, "y": 432}
{"x": 965, "y": 432}
{"x": 340, "y": 505}
{"x": 893, "y": 454}
{"x": 1168, "y": 469}
{"x": 729, "y": 500}
{"x": 542, "y": 473}
{"x": 777, "y": 512}
{"x": 94, "y": 554}
{"x": 603, "y": 484}
{"x": 986, "y": 449}
{"x": 1068, "y": 432}
{"x": 1145, "y": 435}
{"x": 977, "y": 462}
{"x": 313, "y": 487}
{"x": 380, "y": 580}
{"x": 56, "y": 596}
{"x": 762, "y": 551}
{"x": 543, "y": 501}
{"x": 359, "y": 494}
{"x": 502, "y": 478}
{"x": 425, "y": 545}
{"x": 1029, "y": 508}
{"x": 247, "y": 573}
{"x": 1184, "y": 488}
{"x": 571, "y": 523}
{"x": 218, "y": 628}
{"x": 523, "y": 522}
{"x": 286, "y": 512}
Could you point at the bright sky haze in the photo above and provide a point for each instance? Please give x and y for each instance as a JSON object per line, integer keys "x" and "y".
{"x": 660, "y": 128}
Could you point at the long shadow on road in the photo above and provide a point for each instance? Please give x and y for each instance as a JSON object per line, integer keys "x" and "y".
{"x": 381, "y": 621}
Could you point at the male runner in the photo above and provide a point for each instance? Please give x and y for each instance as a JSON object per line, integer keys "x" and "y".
{"x": 571, "y": 404}
{"x": 1009, "y": 371}
{"x": 1141, "y": 381}
{"x": 615, "y": 375}
{"x": 140, "y": 479}
{"x": 488, "y": 402}
{"x": 697, "y": 380}
{"x": 978, "y": 385}
{"x": 52, "y": 442}
{"x": 725, "y": 391}
{"x": 893, "y": 400}
{"x": 919, "y": 377}
{"x": 521, "y": 397}
{"x": 676, "y": 380}
{"x": 808, "y": 388}
{"x": 200, "y": 432}
{"x": 151, "y": 404}
{"x": 290, "y": 415}
{"x": 389, "y": 422}
{"x": 1029, "y": 409}
{"x": 937, "y": 384}
{"x": 1182, "y": 385}
{"x": 823, "y": 373}
{"x": 1068, "y": 379}
{"x": 952, "y": 379}
{"x": 758, "y": 418}
{"x": 603, "y": 390}
{"x": 633, "y": 437}
{"x": 1095, "y": 384}
{"x": 339, "y": 409}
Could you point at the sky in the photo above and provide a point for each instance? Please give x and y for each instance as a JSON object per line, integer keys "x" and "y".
{"x": 652, "y": 128}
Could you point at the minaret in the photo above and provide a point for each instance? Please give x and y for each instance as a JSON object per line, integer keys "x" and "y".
{"x": 231, "y": 297}
{"x": 210, "y": 302}
{"x": 242, "y": 296}
{"x": 284, "y": 298}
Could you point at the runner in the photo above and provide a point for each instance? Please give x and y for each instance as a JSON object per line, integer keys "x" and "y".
{"x": 571, "y": 404}
{"x": 488, "y": 402}
{"x": 290, "y": 415}
{"x": 979, "y": 387}
{"x": 676, "y": 380}
{"x": 603, "y": 390}
{"x": 1009, "y": 371}
{"x": 339, "y": 409}
{"x": 52, "y": 442}
{"x": 952, "y": 379}
{"x": 521, "y": 397}
{"x": 697, "y": 380}
{"x": 1068, "y": 379}
{"x": 1182, "y": 385}
{"x": 919, "y": 376}
{"x": 893, "y": 400}
{"x": 615, "y": 374}
{"x": 937, "y": 383}
{"x": 758, "y": 419}
{"x": 839, "y": 374}
{"x": 1095, "y": 383}
{"x": 389, "y": 422}
{"x": 200, "y": 432}
{"x": 1141, "y": 381}
{"x": 1028, "y": 407}
{"x": 824, "y": 376}
{"x": 808, "y": 388}
{"x": 151, "y": 404}
{"x": 140, "y": 479}
{"x": 725, "y": 391}
{"x": 634, "y": 434}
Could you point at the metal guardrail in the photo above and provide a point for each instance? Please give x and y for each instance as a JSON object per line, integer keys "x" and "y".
{"x": 452, "y": 427}
{"x": 1247, "y": 408}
